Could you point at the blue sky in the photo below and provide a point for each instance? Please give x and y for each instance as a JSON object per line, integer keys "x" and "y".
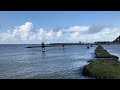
{"x": 47, "y": 21}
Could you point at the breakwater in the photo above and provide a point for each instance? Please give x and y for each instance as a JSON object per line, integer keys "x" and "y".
{"x": 103, "y": 66}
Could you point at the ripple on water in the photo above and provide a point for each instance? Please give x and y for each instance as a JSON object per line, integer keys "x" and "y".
{"x": 56, "y": 63}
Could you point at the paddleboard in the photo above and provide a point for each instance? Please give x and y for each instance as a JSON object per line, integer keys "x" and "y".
{"x": 43, "y": 50}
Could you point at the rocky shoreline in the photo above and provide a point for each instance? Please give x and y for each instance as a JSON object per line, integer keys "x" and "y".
{"x": 104, "y": 66}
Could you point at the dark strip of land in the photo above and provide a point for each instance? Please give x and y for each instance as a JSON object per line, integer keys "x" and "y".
{"x": 37, "y": 46}
{"x": 56, "y": 45}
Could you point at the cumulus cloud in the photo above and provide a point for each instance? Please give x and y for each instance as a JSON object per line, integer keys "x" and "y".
{"x": 19, "y": 34}
{"x": 26, "y": 34}
{"x": 59, "y": 33}
{"x": 75, "y": 35}
{"x": 24, "y": 30}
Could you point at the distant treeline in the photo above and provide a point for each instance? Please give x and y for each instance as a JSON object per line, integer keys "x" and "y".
{"x": 70, "y": 43}
{"x": 116, "y": 41}
{"x": 103, "y": 42}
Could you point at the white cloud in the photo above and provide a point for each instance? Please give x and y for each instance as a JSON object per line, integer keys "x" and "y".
{"x": 78, "y": 28}
{"x": 50, "y": 34}
{"x": 32, "y": 37}
{"x": 41, "y": 34}
{"x": 25, "y": 29}
{"x": 75, "y": 35}
{"x": 92, "y": 33}
{"x": 19, "y": 34}
{"x": 71, "y": 29}
{"x": 59, "y": 33}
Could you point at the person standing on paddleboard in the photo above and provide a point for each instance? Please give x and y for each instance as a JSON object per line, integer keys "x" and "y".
{"x": 63, "y": 45}
{"x": 43, "y": 46}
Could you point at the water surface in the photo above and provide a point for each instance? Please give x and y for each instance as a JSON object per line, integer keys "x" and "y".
{"x": 18, "y": 62}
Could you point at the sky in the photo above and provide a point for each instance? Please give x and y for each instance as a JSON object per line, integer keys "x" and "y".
{"x": 34, "y": 27}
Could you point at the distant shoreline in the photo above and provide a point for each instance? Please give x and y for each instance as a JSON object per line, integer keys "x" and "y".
{"x": 64, "y": 44}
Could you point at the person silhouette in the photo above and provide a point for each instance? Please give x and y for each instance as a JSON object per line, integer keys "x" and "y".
{"x": 43, "y": 46}
{"x": 63, "y": 45}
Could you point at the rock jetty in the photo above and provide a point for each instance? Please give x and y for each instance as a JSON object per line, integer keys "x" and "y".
{"x": 104, "y": 66}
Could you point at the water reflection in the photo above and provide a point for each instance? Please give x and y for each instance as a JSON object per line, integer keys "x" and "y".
{"x": 43, "y": 55}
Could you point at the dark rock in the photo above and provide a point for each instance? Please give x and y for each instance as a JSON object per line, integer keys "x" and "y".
{"x": 28, "y": 47}
{"x": 85, "y": 71}
{"x": 90, "y": 61}
{"x": 113, "y": 56}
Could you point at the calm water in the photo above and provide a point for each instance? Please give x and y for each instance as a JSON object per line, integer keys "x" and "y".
{"x": 18, "y": 62}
